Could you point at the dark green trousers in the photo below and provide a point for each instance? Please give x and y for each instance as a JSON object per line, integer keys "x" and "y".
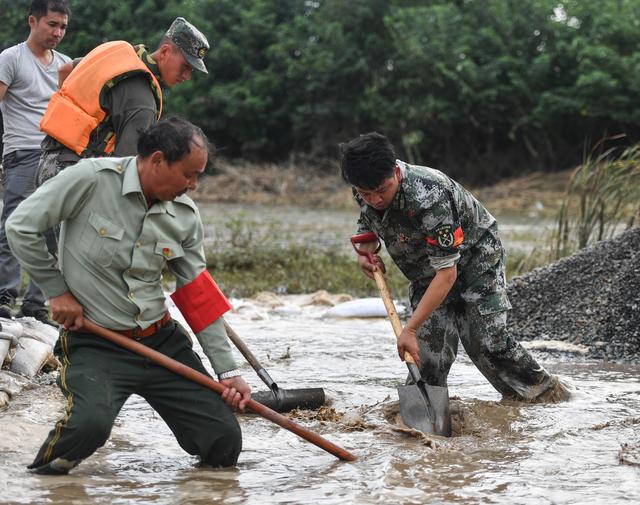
{"x": 98, "y": 376}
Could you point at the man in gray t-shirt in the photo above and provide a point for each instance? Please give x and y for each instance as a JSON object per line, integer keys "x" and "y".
{"x": 28, "y": 78}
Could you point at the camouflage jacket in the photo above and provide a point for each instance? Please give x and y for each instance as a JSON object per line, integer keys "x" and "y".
{"x": 434, "y": 223}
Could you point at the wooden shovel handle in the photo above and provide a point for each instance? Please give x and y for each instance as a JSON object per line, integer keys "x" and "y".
{"x": 387, "y": 299}
{"x": 208, "y": 382}
{"x": 242, "y": 347}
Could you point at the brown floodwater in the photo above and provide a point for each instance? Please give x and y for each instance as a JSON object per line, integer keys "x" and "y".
{"x": 502, "y": 453}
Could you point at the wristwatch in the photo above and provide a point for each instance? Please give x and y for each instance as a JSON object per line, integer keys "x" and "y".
{"x": 229, "y": 374}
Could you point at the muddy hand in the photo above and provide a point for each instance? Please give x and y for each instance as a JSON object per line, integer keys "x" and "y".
{"x": 67, "y": 311}
{"x": 237, "y": 394}
{"x": 408, "y": 343}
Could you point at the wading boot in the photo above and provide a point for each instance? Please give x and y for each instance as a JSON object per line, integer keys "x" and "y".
{"x": 6, "y": 307}
{"x": 37, "y": 311}
{"x": 555, "y": 393}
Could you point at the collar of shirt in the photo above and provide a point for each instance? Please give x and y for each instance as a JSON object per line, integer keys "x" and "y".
{"x": 131, "y": 184}
{"x": 146, "y": 58}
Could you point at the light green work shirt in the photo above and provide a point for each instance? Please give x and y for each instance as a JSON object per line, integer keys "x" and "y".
{"x": 113, "y": 247}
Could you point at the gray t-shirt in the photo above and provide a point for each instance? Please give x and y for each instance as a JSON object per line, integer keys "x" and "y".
{"x": 30, "y": 86}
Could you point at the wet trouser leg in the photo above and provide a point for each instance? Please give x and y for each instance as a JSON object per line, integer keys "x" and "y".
{"x": 202, "y": 423}
{"x": 507, "y": 365}
{"x": 94, "y": 393}
{"x": 438, "y": 339}
{"x": 18, "y": 181}
{"x": 97, "y": 377}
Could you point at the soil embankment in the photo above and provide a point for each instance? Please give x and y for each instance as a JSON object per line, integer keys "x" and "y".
{"x": 537, "y": 193}
{"x": 591, "y": 298}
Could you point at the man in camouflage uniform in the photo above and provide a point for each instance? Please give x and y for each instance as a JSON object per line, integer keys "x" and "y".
{"x": 131, "y": 102}
{"x": 448, "y": 246}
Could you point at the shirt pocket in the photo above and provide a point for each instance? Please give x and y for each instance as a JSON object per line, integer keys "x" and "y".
{"x": 169, "y": 250}
{"x": 149, "y": 266}
{"x": 493, "y": 303}
{"x": 165, "y": 251}
{"x": 102, "y": 238}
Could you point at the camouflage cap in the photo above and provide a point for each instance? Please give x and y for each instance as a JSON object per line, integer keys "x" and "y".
{"x": 191, "y": 41}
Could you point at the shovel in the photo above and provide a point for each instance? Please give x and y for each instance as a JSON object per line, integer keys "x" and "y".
{"x": 278, "y": 399}
{"x": 206, "y": 381}
{"x": 422, "y": 406}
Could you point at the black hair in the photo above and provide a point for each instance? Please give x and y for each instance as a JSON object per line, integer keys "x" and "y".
{"x": 367, "y": 160}
{"x": 173, "y": 137}
{"x": 166, "y": 40}
{"x": 40, "y": 8}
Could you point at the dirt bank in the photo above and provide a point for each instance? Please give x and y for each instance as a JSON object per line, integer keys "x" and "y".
{"x": 274, "y": 185}
{"x": 536, "y": 193}
{"x": 591, "y": 298}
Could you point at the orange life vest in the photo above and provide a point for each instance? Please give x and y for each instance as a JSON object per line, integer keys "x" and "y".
{"x": 74, "y": 111}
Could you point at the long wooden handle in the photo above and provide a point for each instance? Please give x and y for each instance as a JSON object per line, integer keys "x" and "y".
{"x": 253, "y": 361}
{"x": 387, "y": 299}
{"x": 208, "y": 382}
{"x": 242, "y": 347}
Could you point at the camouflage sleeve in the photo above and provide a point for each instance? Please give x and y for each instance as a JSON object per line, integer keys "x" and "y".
{"x": 363, "y": 224}
{"x": 440, "y": 224}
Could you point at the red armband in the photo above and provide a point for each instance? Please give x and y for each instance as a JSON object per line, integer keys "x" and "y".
{"x": 201, "y": 302}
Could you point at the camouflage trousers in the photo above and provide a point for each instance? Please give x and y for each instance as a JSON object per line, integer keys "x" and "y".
{"x": 507, "y": 365}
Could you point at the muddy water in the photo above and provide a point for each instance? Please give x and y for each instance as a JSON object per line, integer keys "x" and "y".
{"x": 502, "y": 452}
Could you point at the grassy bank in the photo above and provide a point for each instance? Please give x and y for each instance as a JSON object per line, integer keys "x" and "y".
{"x": 294, "y": 270}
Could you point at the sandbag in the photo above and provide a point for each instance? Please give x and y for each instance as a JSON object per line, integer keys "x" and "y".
{"x": 10, "y": 385}
{"x": 31, "y": 355}
{"x": 362, "y": 307}
{"x": 5, "y": 343}
{"x": 43, "y": 332}
{"x": 12, "y": 327}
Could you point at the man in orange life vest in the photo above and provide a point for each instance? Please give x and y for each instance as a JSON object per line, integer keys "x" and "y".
{"x": 111, "y": 94}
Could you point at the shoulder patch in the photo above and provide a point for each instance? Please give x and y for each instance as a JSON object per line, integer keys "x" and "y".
{"x": 115, "y": 164}
{"x": 185, "y": 200}
{"x": 445, "y": 237}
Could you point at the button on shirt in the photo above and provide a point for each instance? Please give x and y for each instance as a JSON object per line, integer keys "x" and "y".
{"x": 113, "y": 247}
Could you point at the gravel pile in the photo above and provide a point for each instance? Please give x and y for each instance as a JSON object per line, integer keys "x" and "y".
{"x": 591, "y": 298}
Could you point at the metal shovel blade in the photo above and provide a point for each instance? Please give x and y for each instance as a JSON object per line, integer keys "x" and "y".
{"x": 439, "y": 398}
{"x": 286, "y": 400}
{"x": 430, "y": 416}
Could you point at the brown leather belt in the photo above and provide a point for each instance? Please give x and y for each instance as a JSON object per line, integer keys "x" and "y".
{"x": 139, "y": 333}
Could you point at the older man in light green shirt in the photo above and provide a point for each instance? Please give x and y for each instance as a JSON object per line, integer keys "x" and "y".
{"x": 123, "y": 220}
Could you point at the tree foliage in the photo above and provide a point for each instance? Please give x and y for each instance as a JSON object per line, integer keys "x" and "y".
{"x": 480, "y": 88}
